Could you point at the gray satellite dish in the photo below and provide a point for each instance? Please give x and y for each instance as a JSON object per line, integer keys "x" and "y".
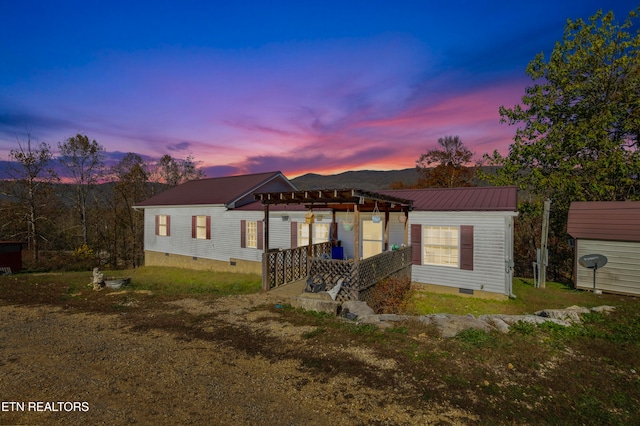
{"x": 593, "y": 261}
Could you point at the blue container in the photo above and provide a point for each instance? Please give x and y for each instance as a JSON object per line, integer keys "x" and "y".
{"x": 337, "y": 253}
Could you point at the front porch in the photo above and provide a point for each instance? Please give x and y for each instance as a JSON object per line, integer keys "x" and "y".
{"x": 356, "y": 276}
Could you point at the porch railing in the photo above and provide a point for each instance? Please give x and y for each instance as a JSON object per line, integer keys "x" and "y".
{"x": 281, "y": 267}
{"x": 358, "y": 279}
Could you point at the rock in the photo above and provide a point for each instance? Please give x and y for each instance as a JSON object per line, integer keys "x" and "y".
{"x": 359, "y": 308}
{"x": 571, "y": 314}
{"x": 603, "y": 309}
{"x": 451, "y": 325}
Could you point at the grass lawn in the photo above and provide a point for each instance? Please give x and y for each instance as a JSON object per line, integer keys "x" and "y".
{"x": 528, "y": 300}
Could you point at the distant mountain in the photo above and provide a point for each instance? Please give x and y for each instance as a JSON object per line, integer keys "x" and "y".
{"x": 370, "y": 180}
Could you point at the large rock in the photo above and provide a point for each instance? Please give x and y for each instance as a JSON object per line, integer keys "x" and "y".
{"x": 450, "y": 325}
{"x": 358, "y": 308}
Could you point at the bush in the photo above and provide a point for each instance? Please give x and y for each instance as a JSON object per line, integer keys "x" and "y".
{"x": 391, "y": 295}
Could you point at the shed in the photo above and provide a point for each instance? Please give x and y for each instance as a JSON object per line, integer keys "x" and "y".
{"x": 10, "y": 257}
{"x": 612, "y": 229}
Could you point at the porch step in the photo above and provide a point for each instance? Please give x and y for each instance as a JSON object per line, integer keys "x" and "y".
{"x": 319, "y": 302}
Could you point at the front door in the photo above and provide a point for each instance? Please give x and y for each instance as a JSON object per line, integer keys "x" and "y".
{"x": 372, "y": 238}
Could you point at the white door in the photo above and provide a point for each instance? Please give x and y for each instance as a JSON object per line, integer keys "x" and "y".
{"x": 372, "y": 238}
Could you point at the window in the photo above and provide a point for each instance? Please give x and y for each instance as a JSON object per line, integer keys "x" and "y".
{"x": 252, "y": 234}
{"x": 163, "y": 227}
{"x": 320, "y": 233}
{"x": 201, "y": 227}
{"x": 441, "y": 245}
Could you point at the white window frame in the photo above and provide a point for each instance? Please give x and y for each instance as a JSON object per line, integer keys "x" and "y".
{"x": 441, "y": 246}
{"x": 162, "y": 225}
{"x": 201, "y": 227}
{"x": 320, "y": 233}
{"x": 252, "y": 234}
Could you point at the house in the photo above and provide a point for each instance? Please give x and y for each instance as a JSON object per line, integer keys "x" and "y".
{"x": 200, "y": 224}
{"x": 462, "y": 239}
{"x": 610, "y": 229}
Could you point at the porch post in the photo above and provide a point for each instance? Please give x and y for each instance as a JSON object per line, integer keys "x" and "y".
{"x": 265, "y": 253}
{"x": 386, "y": 229}
{"x": 406, "y": 228}
{"x": 356, "y": 234}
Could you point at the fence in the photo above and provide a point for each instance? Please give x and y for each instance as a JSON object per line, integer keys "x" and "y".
{"x": 358, "y": 279}
{"x": 281, "y": 267}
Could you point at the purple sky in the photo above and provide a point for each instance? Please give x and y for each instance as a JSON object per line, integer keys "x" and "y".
{"x": 296, "y": 86}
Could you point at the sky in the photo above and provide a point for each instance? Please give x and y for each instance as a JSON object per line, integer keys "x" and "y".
{"x": 297, "y": 86}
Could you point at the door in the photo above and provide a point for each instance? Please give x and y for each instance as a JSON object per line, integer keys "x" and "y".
{"x": 372, "y": 238}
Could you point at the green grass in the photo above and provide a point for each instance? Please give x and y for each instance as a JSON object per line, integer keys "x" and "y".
{"x": 528, "y": 300}
{"x": 172, "y": 281}
{"x": 160, "y": 280}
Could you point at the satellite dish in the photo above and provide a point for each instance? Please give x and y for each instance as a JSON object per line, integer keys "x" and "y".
{"x": 593, "y": 261}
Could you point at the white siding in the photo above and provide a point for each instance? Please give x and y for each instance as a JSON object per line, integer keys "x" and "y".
{"x": 225, "y": 233}
{"x": 621, "y": 274}
{"x": 490, "y": 251}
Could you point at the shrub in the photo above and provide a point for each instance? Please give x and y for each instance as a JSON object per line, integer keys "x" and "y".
{"x": 391, "y": 295}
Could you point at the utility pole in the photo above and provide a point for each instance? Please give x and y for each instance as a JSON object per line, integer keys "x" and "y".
{"x": 543, "y": 244}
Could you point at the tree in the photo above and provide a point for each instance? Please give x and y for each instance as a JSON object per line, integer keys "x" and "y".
{"x": 578, "y": 125}
{"x": 451, "y": 158}
{"x": 131, "y": 178}
{"x": 84, "y": 159}
{"x": 174, "y": 171}
{"x": 32, "y": 174}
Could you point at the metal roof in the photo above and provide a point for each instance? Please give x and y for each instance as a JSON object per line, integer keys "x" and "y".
{"x": 222, "y": 190}
{"x": 478, "y": 198}
{"x": 605, "y": 220}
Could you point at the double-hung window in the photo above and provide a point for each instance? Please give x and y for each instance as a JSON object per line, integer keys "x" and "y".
{"x": 201, "y": 227}
{"x": 252, "y": 234}
{"x": 163, "y": 225}
{"x": 320, "y": 233}
{"x": 441, "y": 245}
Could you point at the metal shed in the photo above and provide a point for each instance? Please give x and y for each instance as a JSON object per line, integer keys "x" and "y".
{"x": 612, "y": 229}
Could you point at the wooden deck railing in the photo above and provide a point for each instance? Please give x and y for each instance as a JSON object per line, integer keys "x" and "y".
{"x": 281, "y": 267}
{"x": 286, "y": 266}
{"x": 360, "y": 278}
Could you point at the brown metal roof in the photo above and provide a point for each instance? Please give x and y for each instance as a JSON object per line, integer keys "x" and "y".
{"x": 480, "y": 198}
{"x": 222, "y": 190}
{"x": 605, "y": 220}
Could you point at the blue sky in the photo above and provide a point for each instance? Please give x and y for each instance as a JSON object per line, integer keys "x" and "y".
{"x": 295, "y": 86}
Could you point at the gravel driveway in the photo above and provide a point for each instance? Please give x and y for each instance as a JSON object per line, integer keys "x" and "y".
{"x": 226, "y": 361}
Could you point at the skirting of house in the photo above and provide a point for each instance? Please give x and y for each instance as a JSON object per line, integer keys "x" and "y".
{"x": 154, "y": 258}
{"x": 434, "y": 288}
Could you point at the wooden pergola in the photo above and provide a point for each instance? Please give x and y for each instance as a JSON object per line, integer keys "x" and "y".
{"x": 339, "y": 200}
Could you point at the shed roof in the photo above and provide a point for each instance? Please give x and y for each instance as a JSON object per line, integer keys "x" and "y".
{"x": 480, "y": 198}
{"x": 605, "y": 220}
{"x": 221, "y": 190}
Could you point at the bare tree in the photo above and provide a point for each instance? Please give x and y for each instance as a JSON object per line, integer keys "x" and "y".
{"x": 31, "y": 175}
{"x": 84, "y": 159}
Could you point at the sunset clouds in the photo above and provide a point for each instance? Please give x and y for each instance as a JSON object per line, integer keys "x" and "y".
{"x": 246, "y": 88}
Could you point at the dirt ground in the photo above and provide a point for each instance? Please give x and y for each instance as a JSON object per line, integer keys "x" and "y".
{"x": 229, "y": 361}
